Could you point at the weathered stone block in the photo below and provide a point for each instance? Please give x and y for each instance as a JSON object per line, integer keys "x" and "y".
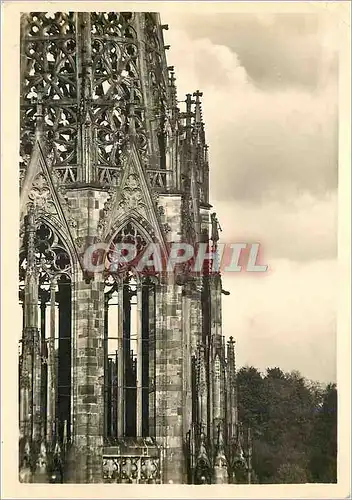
{"x": 86, "y": 389}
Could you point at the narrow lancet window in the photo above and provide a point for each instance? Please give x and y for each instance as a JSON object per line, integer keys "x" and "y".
{"x": 129, "y": 319}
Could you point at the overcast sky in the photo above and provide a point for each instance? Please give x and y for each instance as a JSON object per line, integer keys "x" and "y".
{"x": 270, "y": 108}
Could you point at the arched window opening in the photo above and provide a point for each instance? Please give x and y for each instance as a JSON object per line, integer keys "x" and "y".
{"x": 45, "y": 346}
{"x": 129, "y": 357}
{"x": 129, "y": 349}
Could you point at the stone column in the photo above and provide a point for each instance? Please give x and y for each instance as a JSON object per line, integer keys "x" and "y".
{"x": 51, "y": 378}
{"x": 147, "y": 324}
{"x": 152, "y": 357}
{"x": 64, "y": 378}
{"x": 88, "y": 373}
{"x": 139, "y": 415}
{"x": 107, "y": 389}
{"x": 169, "y": 383}
{"x": 44, "y": 366}
{"x": 30, "y": 381}
{"x": 30, "y": 336}
{"x": 187, "y": 363}
{"x": 120, "y": 365}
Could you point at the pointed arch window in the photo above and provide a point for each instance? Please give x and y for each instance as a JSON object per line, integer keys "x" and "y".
{"x": 45, "y": 346}
{"x": 129, "y": 325}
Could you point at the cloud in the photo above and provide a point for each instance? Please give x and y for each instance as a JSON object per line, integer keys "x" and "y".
{"x": 261, "y": 142}
{"x": 286, "y": 319}
{"x": 277, "y": 50}
{"x": 301, "y": 228}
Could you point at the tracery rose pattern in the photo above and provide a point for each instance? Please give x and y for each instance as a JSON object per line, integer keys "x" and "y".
{"x": 50, "y": 254}
{"x": 129, "y": 234}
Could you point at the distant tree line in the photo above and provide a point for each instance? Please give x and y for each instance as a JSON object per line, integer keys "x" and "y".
{"x": 294, "y": 426}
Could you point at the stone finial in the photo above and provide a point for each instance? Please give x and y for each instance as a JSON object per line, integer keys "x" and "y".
{"x": 198, "y": 106}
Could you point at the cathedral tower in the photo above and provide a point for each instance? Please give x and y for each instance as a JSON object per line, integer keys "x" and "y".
{"x": 124, "y": 375}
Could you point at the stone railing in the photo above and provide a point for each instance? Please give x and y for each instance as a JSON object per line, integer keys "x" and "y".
{"x": 131, "y": 469}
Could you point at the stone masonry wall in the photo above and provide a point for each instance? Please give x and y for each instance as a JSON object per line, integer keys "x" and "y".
{"x": 169, "y": 358}
{"x": 85, "y": 463}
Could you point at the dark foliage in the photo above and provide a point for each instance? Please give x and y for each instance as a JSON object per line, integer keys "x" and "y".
{"x": 294, "y": 426}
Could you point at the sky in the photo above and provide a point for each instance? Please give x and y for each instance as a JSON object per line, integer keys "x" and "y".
{"x": 270, "y": 105}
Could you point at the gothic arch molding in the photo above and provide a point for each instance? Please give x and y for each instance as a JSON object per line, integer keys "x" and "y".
{"x": 57, "y": 228}
{"x": 140, "y": 223}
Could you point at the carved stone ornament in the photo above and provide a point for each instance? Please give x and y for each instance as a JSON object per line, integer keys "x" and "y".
{"x": 72, "y": 222}
{"x": 110, "y": 469}
{"x": 155, "y": 197}
{"x": 40, "y": 195}
{"x": 149, "y": 470}
{"x": 24, "y": 378}
{"x": 161, "y": 211}
{"x": 103, "y": 221}
{"x": 132, "y": 198}
{"x": 80, "y": 242}
{"x": 42, "y": 459}
{"x": 57, "y": 180}
{"x": 132, "y": 469}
